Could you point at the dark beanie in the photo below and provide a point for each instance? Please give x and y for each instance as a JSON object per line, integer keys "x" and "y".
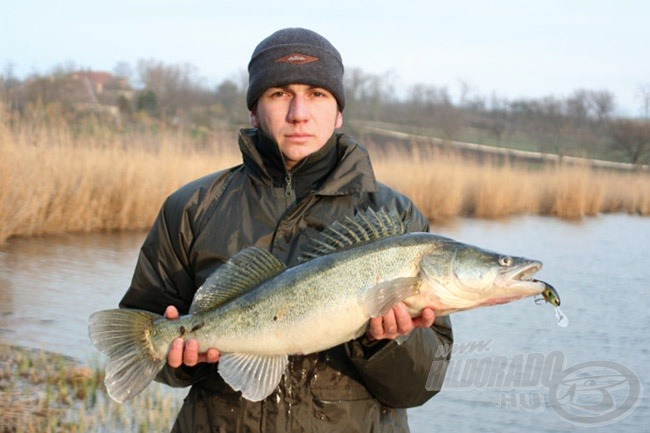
{"x": 295, "y": 56}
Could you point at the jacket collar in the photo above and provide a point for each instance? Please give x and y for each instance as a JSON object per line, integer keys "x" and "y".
{"x": 353, "y": 172}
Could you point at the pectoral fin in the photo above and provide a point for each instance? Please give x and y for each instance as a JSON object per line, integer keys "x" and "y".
{"x": 255, "y": 376}
{"x": 383, "y": 296}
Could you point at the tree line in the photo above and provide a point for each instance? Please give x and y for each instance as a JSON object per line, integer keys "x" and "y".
{"x": 584, "y": 123}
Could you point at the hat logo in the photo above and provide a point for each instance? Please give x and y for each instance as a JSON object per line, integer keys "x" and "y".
{"x": 297, "y": 59}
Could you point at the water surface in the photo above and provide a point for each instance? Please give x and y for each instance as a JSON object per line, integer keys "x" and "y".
{"x": 49, "y": 287}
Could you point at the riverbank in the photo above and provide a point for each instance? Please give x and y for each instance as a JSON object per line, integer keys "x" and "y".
{"x": 43, "y": 392}
{"x": 55, "y": 179}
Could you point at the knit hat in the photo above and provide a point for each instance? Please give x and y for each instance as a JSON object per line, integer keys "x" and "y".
{"x": 295, "y": 56}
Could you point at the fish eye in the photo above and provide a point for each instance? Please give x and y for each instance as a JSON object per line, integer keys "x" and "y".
{"x": 505, "y": 261}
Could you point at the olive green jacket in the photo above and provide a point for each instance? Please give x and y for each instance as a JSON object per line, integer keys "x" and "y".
{"x": 354, "y": 387}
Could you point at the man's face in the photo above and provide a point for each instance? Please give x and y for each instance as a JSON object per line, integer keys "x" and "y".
{"x": 299, "y": 117}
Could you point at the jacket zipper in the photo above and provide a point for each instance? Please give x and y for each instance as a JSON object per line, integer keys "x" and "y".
{"x": 288, "y": 187}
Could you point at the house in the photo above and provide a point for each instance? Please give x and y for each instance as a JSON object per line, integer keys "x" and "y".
{"x": 99, "y": 91}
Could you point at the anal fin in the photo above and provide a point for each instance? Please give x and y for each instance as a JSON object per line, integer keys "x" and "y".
{"x": 254, "y": 375}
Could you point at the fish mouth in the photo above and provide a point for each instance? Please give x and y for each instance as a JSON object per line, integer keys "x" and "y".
{"x": 522, "y": 278}
{"x": 526, "y": 274}
{"x": 517, "y": 283}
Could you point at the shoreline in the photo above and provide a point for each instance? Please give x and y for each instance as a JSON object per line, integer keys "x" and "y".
{"x": 43, "y": 392}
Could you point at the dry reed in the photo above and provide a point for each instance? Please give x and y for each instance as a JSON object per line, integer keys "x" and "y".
{"x": 445, "y": 185}
{"x": 56, "y": 179}
{"x": 53, "y": 179}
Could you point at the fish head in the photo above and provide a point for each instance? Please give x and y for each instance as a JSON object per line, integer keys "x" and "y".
{"x": 463, "y": 277}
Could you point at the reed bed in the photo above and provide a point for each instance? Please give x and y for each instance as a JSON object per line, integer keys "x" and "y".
{"x": 57, "y": 179}
{"x": 445, "y": 185}
{"x": 54, "y": 179}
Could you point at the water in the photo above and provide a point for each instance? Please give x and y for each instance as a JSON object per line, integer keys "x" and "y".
{"x": 49, "y": 287}
{"x": 601, "y": 270}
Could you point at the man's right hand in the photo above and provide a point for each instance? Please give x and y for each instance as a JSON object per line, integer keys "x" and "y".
{"x": 184, "y": 352}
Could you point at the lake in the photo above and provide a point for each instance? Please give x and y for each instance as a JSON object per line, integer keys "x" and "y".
{"x": 514, "y": 369}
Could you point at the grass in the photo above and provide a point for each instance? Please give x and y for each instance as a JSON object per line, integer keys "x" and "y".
{"x": 54, "y": 178}
{"x": 43, "y": 392}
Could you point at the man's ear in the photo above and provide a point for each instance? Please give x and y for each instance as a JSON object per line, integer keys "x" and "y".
{"x": 339, "y": 120}
{"x": 253, "y": 119}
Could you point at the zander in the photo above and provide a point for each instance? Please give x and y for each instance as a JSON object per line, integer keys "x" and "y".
{"x": 256, "y": 312}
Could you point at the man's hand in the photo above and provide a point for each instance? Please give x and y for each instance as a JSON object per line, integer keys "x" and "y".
{"x": 398, "y": 322}
{"x": 187, "y": 352}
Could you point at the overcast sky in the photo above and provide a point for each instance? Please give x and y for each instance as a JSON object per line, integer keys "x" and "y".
{"x": 511, "y": 48}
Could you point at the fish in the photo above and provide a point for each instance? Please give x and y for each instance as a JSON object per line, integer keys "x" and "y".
{"x": 257, "y": 312}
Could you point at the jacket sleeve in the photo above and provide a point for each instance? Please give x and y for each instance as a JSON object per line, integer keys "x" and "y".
{"x": 162, "y": 277}
{"x": 408, "y": 374}
{"x": 164, "y": 274}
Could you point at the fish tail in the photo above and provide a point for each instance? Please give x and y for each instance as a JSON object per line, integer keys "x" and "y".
{"x": 125, "y": 337}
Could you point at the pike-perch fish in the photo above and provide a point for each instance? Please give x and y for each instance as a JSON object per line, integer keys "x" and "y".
{"x": 256, "y": 311}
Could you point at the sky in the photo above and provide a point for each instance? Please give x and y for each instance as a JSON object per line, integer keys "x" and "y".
{"x": 508, "y": 48}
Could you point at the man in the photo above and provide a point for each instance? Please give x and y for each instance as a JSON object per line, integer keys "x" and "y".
{"x": 297, "y": 177}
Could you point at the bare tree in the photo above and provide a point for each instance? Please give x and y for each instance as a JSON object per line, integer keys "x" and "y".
{"x": 8, "y": 83}
{"x": 643, "y": 94}
{"x": 367, "y": 95}
{"x": 552, "y": 123}
{"x": 632, "y": 137}
{"x": 498, "y": 123}
{"x": 425, "y": 104}
{"x": 231, "y": 100}
{"x": 449, "y": 119}
{"x": 176, "y": 87}
{"x": 603, "y": 103}
{"x": 578, "y": 107}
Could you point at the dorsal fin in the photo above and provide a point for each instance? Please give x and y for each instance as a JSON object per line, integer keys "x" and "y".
{"x": 364, "y": 227}
{"x": 242, "y": 272}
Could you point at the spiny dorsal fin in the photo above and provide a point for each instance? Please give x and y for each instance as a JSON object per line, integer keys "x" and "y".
{"x": 244, "y": 271}
{"x": 364, "y": 227}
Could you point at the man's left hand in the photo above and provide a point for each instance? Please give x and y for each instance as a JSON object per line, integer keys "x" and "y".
{"x": 398, "y": 322}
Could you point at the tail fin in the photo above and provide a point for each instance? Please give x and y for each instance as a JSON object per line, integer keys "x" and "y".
{"x": 124, "y": 336}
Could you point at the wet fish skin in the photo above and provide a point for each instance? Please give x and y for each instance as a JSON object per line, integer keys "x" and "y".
{"x": 256, "y": 312}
